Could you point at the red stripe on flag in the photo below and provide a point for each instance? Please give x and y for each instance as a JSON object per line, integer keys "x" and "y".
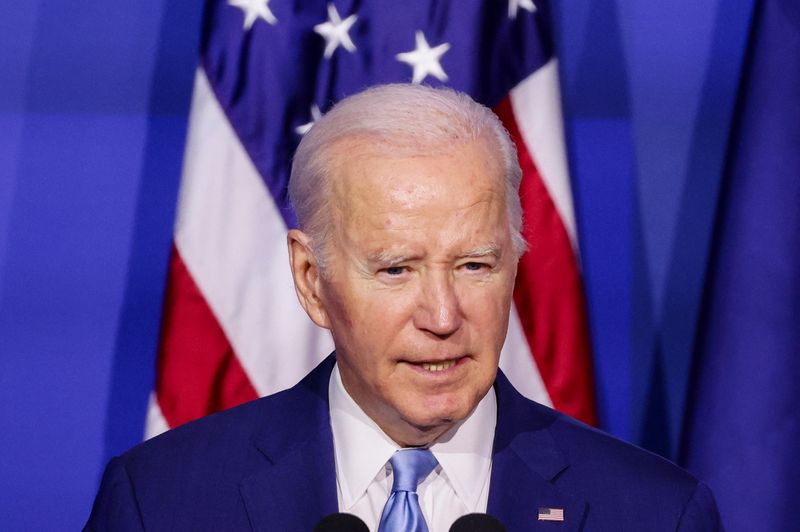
{"x": 198, "y": 372}
{"x": 549, "y": 292}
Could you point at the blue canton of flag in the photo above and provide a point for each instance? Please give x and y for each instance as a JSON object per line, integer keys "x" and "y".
{"x": 275, "y": 65}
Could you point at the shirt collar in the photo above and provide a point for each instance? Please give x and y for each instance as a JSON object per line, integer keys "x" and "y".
{"x": 362, "y": 449}
{"x": 465, "y": 451}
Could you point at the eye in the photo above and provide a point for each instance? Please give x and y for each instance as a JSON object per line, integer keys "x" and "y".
{"x": 475, "y": 266}
{"x": 395, "y": 270}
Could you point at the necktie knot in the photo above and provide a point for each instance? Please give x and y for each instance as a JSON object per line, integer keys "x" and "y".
{"x": 410, "y": 467}
{"x": 402, "y": 512}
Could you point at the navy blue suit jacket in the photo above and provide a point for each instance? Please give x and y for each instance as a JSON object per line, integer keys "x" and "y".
{"x": 268, "y": 465}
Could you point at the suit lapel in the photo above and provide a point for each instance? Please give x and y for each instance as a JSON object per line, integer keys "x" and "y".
{"x": 297, "y": 485}
{"x": 526, "y": 463}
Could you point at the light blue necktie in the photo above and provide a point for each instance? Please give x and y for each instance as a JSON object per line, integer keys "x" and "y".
{"x": 402, "y": 512}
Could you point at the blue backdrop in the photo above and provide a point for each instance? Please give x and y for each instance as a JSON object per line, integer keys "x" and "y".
{"x": 94, "y": 99}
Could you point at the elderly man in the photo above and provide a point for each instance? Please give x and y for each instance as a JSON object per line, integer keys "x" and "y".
{"x": 407, "y": 252}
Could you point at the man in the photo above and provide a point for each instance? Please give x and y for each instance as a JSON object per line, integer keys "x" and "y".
{"x": 407, "y": 251}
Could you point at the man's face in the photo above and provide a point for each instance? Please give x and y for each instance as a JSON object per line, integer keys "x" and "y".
{"x": 418, "y": 284}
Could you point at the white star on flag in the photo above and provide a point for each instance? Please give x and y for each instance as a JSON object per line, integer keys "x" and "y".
{"x": 515, "y": 5}
{"x": 316, "y": 114}
{"x": 253, "y": 10}
{"x": 425, "y": 59}
{"x": 335, "y": 31}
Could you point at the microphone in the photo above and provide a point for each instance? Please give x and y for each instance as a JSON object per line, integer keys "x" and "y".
{"x": 477, "y": 523}
{"x": 341, "y": 522}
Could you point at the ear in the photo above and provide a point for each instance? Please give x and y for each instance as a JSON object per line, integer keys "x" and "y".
{"x": 306, "y": 275}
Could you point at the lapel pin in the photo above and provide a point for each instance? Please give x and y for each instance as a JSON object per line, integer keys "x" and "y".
{"x": 551, "y": 514}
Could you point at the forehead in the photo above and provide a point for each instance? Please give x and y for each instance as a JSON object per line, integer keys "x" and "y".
{"x": 360, "y": 162}
{"x": 408, "y": 193}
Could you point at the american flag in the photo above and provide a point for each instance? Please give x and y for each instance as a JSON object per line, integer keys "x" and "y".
{"x": 232, "y": 327}
{"x": 551, "y": 514}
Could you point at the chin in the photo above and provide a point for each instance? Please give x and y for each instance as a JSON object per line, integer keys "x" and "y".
{"x": 438, "y": 413}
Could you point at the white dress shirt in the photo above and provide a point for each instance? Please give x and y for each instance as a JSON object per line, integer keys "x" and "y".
{"x": 458, "y": 485}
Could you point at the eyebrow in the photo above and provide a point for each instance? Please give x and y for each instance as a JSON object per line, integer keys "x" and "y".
{"x": 483, "y": 251}
{"x": 387, "y": 258}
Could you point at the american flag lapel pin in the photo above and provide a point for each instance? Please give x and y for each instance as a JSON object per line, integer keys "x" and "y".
{"x": 551, "y": 514}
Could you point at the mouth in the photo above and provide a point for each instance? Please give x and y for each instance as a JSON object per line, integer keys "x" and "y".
{"x": 439, "y": 367}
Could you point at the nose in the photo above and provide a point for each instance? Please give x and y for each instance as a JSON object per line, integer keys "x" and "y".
{"x": 438, "y": 310}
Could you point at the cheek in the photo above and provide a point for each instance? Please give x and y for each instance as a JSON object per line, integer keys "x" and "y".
{"x": 336, "y": 307}
{"x": 487, "y": 310}
{"x": 382, "y": 305}
{"x": 369, "y": 320}
{"x": 485, "y": 302}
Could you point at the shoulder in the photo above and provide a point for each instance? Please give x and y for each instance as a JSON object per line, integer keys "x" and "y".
{"x": 614, "y": 476}
{"x": 182, "y": 478}
{"x": 587, "y": 451}
{"x": 620, "y": 482}
{"x": 190, "y": 476}
{"x": 200, "y": 440}
{"x": 237, "y": 432}
{"x": 593, "y": 453}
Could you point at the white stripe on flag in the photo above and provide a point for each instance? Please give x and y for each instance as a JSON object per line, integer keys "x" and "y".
{"x": 233, "y": 242}
{"x": 518, "y": 364}
{"x": 537, "y": 106}
{"x": 155, "y": 423}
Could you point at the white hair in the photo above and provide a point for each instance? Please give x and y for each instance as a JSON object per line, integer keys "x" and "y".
{"x": 397, "y": 117}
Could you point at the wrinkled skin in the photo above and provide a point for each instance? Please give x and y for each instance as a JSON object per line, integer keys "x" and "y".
{"x": 419, "y": 277}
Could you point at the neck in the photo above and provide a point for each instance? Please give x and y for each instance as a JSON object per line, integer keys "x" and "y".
{"x": 415, "y": 436}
